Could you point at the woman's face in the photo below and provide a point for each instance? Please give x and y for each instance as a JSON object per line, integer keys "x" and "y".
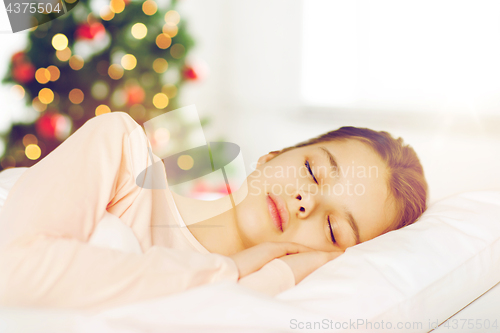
{"x": 299, "y": 195}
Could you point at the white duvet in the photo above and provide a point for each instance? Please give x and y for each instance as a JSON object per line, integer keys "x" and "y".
{"x": 411, "y": 279}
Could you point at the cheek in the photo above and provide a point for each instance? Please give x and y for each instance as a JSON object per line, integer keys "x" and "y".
{"x": 258, "y": 183}
{"x": 251, "y": 220}
{"x": 310, "y": 234}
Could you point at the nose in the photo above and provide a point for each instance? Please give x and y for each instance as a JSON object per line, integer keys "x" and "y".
{"x": 306, "y": 204}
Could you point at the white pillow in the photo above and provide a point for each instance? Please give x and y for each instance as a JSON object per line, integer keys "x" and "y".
{"x": 422, "y": 273}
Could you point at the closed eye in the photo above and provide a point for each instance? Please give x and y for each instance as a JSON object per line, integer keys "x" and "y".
{"x": 331, "y": 232}
{"x": 310, "y": 171}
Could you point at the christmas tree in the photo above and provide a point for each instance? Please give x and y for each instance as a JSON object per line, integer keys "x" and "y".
{"x": 123, "y": 56}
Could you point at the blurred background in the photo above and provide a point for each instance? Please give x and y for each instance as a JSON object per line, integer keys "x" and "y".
{"x": 266, "y": 75}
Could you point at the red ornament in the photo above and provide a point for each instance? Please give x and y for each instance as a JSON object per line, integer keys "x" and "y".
{"x": 46, "y": 126}
{"x": 189, "y": 73}
{"x": 18, "y": 57}
{"x": 90, "y": 31}
{"x": 135, "y": 95}
{"x": 195, "y": 70}
{"x": 53, "y": 126}
{"x": 23, "y": 72}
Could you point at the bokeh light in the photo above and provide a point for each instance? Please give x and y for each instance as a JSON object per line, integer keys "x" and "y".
{"x": 29, "y": 139}
{"x": 115, "y": 71}
{"x": 170, "y": 30}
{"x": 177, "y": 51}
{"x": 76, "y": 62}
{"x": 129, "y": 62}
{"x": 106, "y": 13}
{"x": 46, "y": 96}
{"x": 102, "y": 109}
{"x": 160, "y": 101}
{"x": 139, "y": 30}
{"x": 149, "y": 7}
{"x": 160, "y": 65}
{"x": 163, "y": 41}
{"x": 185, "y": 162}
{"x": 54, "y": 73}
{"x": 117, "y": 6}
{"x": 33, "y": 152}
{"x": 118, "y": 98}
{"x": 76, "y": 96}
{"x": 37, "y": 105}
{"x": 18, "y": 91}
{"x": 59, "y": 42}
{"x": 172, "y": 17}
{"x": 62, "y": 127}
{"x": 64, "y": 55}
{"x": 42, "y": 75}
{"x": 99, "y": 90}
{"x": 170, "y": 90}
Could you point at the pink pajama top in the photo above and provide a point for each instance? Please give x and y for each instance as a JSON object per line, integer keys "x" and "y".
{"x": 54, "y": 208}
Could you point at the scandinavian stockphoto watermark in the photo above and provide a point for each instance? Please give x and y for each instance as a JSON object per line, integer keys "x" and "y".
{"x": 330, "y": 181}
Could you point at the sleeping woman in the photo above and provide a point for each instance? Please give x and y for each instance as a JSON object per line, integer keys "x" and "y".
{"x": 355, "y": 184}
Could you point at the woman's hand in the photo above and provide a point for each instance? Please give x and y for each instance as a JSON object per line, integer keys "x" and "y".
{"x": 303, "y": 264}
{"x": 253, "y": 258}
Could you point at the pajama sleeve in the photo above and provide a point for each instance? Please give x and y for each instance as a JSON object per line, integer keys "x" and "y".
{"x": 51, "y": 212}
{"x": 272, "y": 279}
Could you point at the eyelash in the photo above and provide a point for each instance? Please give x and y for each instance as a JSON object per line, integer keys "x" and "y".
{"x": 310, "y": 171}
{"x": 331, "y": 231}
{"x": 328, "y": 218}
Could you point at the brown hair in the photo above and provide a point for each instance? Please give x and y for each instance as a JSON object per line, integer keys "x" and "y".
{"x": 406, "y": 179}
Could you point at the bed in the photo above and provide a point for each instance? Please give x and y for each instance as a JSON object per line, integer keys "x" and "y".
{"x": 440, "y": 273}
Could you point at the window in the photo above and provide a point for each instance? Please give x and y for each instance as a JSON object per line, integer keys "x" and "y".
{"x": 393, "y": 55}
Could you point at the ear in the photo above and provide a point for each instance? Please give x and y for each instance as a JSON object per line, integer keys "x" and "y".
{"x": 266, "y": 158}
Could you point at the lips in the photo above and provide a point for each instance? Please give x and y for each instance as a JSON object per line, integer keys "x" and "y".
{"x": 278, "y": 211}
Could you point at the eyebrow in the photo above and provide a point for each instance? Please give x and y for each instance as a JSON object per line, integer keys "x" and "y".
{"x": 333, "y": 163}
